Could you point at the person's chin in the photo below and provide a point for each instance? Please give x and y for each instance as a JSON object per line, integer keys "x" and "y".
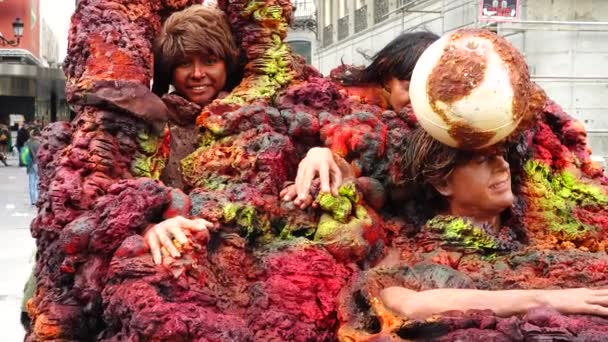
{"x": 506, "y": 199}
{"x": 201, "y": 99}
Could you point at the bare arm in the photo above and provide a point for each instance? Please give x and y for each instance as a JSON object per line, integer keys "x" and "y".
{"x": 420, "y": 305}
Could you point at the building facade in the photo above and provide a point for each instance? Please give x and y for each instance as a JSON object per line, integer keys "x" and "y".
{"x": 565, "y": 43}
{"x": 31, "y": 83}
{"x": 29, "y": 12}
{"x": 49, "y": 46}
{"x": 302, "y": 35}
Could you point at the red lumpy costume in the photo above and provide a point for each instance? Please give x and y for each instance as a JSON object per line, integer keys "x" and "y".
{"x": 269, "y": 271}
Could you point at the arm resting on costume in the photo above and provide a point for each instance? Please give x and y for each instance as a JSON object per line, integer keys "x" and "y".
{"x": 420, "y": 305}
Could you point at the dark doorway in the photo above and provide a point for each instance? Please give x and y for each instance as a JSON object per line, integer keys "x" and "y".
{"x": 16, "y": 105}
{"x": 53, "y": 106}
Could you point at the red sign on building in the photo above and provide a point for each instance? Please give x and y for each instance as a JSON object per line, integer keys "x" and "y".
{"x": 499, "y": 10}
{"x": 29, "y": 12}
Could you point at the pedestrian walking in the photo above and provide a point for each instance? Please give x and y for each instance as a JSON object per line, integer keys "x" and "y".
{"x": 22, "y": 136}
{"x": 29, "y": 159}
{"x": 5, "y": 140}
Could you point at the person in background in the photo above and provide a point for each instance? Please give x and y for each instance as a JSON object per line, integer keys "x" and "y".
{"x": 22, "y": 136}
{"x": 5, "y": 141}
{"x": 31, "y": 162}
{"x": 29, "y": 153}
{"x": 390, "y": 71}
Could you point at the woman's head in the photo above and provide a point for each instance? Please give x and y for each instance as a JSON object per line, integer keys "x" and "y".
{"x": 197, "y": 52}
{"x": 459, "y": 182}
{"x": 392, "y": 66}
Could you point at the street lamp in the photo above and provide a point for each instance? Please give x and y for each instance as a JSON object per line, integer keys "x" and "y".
{"x": 17, "y": 32}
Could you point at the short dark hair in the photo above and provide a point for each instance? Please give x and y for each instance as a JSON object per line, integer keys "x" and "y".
{"x": 427, "y": 162}
{"x": 195, "y": 30}
{"x": 397, "y": 59}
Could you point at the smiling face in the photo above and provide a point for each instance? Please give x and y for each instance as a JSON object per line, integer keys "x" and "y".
{"x": 199, "y": 79}
{"x": 479, "y": 187}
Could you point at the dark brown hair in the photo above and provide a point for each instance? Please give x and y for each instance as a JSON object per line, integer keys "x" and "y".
{"x": 195, "y": 30}
{"x": 426, "y": 162}
{"x": 397, "y": 59}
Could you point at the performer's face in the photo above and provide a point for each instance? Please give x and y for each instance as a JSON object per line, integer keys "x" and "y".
{"x": 399, "y": 93}
{"x": 480, "y": 186}
{"x": 199, "y": 78}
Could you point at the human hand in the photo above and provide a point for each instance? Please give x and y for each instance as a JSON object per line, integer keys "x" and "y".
{"x": 163, "y": 234}
{"x": 578, "y": 301}
{"x": 289, "y": 193}
{"x": 319, "y": 161}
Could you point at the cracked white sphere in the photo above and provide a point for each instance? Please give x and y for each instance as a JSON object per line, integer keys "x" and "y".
{"x": 471, "y": 89}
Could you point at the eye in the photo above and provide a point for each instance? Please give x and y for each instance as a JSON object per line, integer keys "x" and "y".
{"x": 210, "y": 60}
{"x": 183, "y": 63}
{"x": 480, "y": 159}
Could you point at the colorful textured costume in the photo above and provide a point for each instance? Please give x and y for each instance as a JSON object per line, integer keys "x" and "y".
{"x": 269, "y": 271}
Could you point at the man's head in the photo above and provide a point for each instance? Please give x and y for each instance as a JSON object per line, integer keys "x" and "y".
{"x": 197, "y": 51}
{"x": 464, "y": 183}
{"x": 35, "y": 132}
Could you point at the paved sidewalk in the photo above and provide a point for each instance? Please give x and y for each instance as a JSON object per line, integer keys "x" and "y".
{"x": 16, "y": 247}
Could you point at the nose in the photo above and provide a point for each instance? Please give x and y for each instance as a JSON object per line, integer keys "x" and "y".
{"x": 199, "y": 71}
{"x": 501, "y": 164}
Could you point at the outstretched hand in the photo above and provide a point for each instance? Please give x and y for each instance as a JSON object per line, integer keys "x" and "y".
{"x": 162, "y": 235}
{"x": 579, "y": 301}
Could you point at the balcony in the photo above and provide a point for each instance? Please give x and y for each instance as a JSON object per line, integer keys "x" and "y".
{"x": 343, "y": 28}
{"x": 360, "y": 19}
{"x": 328, "y": 35}
{"x": 304, "y": 9}
{"x": 380, "y": 10}
{"x": 304, "y": 16}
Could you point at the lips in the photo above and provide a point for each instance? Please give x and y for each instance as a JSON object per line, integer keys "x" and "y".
{"x": 501, "y": 185}
{"x": 199, "y": 88}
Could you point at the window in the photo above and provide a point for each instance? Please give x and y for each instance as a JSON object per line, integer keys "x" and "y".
{"x": 401, "y": 3}
{"x": 303, "y": 48}
{"x": 380, "y": 10}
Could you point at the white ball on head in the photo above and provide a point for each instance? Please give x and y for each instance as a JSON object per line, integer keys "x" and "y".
{"x": 471, "y": 89}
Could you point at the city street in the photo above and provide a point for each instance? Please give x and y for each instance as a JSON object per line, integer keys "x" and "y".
{"x": 16, "y": 247}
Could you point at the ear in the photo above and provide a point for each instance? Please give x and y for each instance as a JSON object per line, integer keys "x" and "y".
{"x": 444, "y": 187}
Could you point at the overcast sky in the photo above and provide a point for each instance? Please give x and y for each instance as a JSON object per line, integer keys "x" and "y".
{"x": 57, "y": 14}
